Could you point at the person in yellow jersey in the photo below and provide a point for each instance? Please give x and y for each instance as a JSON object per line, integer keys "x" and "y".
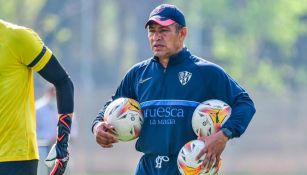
{"x": 21, "y": 53}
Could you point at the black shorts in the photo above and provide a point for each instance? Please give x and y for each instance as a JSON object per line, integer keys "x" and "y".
{"x": 28, "y": 167}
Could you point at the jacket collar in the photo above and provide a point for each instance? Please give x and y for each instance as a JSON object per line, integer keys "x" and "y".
{"x": 177, "y": 58}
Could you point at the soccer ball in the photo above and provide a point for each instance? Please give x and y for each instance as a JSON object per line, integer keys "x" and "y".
{"x": 186, "y": 162}
{"x": 209, "y": 116}
{"x": 126, "y": 116}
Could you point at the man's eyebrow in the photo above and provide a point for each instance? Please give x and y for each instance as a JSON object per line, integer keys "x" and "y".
{"x": 165, "y": 27}
{"x": 162, "y": 27}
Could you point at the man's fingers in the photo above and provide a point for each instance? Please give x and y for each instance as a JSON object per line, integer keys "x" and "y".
{"x": 105, "y": 139}
{"x": 107, "y": 145}
{"x": 108, "y": 126}
{"x": 217, "y": 166}
{"x": 112, "y": 131}
{"x": 201, "y": 153}
{"x": 216, "y": 170}
{"x": 109, "y": 136}
{"x": 210, "y": 163}
{"x": 105, "y": 133}
{"x": 206, "y": 161}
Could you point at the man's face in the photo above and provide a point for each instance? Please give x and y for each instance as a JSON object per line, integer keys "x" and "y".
{"x": 165, "y": 40}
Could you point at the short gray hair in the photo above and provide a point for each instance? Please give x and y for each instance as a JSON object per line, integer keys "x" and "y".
{"x": 178, "y": 26}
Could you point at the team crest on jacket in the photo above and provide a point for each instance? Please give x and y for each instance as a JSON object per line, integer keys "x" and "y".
{"x": 184, "y": 77}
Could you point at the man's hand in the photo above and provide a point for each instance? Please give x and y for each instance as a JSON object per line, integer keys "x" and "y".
{"x": 60, "y": 166}
{"x": 104, "y": 134}
{"x": 214, "y": 146}
{"x": 58, "y": 155}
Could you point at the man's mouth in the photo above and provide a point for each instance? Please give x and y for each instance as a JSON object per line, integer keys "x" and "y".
{"x": 158, "y": 46}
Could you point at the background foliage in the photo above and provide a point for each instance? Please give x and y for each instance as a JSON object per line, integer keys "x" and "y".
{"x": 261, "y": 43}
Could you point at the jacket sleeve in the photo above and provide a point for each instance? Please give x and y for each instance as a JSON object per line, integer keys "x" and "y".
{"x": 228, "y": 90}
{"x": 54, "y": 73}
{"x": 125, "y": 89}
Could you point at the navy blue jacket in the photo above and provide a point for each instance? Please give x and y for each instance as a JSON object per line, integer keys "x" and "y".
{"x": 169, "y": 96}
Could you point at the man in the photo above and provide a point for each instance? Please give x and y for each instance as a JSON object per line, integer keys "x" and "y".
{"x": 169, "y": 86}
{"x": 21, "y": 52}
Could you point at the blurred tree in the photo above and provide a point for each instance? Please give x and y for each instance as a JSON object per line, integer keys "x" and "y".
{"x": 257, "y": 41}
{"x": 261, "y": 43}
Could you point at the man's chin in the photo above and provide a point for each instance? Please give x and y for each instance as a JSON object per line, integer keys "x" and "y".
{"x": 158, "y": 54}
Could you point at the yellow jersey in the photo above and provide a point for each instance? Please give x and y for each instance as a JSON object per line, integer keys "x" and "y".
{"x": 21, "y": 52}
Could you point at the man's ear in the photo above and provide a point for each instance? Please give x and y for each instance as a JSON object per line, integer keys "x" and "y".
{"x": 183, "y": 33}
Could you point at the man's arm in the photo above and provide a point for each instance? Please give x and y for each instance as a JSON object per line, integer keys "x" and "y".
{"x": 224, "y": 88}
{"x": 102, "y": 130}
{"x": 32, "y": 52}
{"x": 54, "y": 73}
{"x": 228, "y": 90}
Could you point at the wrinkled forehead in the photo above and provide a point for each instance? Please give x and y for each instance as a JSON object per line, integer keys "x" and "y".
{"x": 155, "y": 25}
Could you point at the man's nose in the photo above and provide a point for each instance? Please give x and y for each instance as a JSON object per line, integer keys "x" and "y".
{"x": 157, "y": 36}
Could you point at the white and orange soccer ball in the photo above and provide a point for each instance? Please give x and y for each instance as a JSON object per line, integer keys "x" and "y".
{"x": 126, "y": 116}
{"x": 209, "y": 116}
{"x": 186, "y": 162}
